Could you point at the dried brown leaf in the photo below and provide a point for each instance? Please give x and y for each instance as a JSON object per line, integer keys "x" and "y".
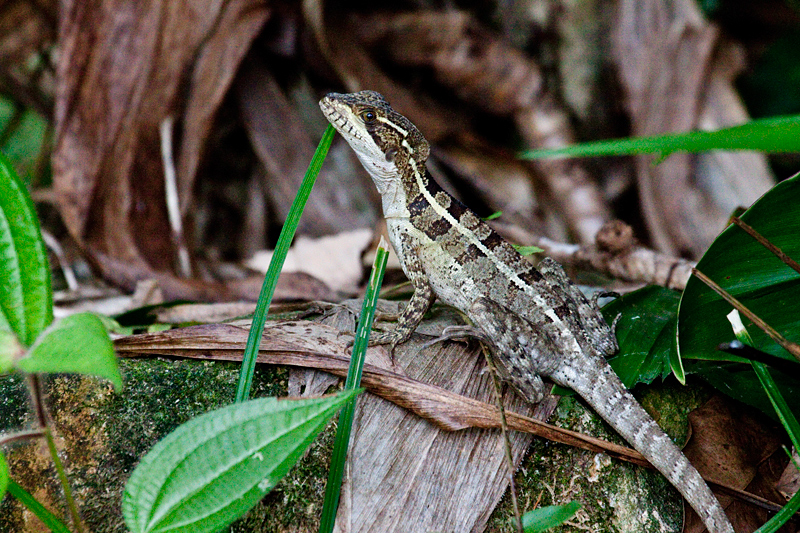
{"x": 122, "y": 70}
{"x": 675, "y": 81}
{"x": 285, "y": 148}
{"x": 311, "y": 345}
{"x": 736, "y": 450}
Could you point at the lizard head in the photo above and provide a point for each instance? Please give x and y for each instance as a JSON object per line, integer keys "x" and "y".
{"x": 384, "y": 140}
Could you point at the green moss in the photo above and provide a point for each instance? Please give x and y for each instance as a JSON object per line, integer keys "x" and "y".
{"x": 616, "y": 497}
{"x": 104, "y": 435}
{"x": 295, "y": 504}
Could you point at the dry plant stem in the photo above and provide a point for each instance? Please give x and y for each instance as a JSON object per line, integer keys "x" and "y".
{"x": 767, "y": 244}
{"x": 35, "y": 387}
{"x": 617, "y": 253}
{"x": 166, "y": 132}
{"x": 787, "y": 345}
{"x": 22, "y": 435}
{"x": 507, "y": 443}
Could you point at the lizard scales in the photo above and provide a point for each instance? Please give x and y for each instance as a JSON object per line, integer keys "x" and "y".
{"x": 536, "y": 321}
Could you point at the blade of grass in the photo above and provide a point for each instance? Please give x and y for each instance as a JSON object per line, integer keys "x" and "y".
{"x": 48, "y": 519}
{"x": 776, "y": 135}
{"x": 333, "y": 486}
{"x": 275, "y": 265}
{"x": 785, "y": 415}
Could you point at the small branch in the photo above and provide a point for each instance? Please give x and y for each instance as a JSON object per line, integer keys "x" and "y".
{"x": 172, "y": 200}
{"x": 62, "y": 476}
{"x": 787, "y": 345}
{"x": 767, "y": 244}
{"x": 42, "y": 417}
{"x": 498, "y": 394}
{"x": 22, "y": 435}
{"x": 617, "y": 253}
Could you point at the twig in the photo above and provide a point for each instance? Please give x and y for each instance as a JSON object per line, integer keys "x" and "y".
{"x": 787, "y": 345}
{"x": 507, "y": 443}
{"x": 780, "y": 254}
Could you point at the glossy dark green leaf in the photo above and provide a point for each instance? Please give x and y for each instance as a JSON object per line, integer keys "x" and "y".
{"x": 751, "y": 274}
{"x": 740, "y": 382}
{"x": 544, "y": 518}
{"x": 214, "y": 468}
{"x": 75, "y": 344}
{"x": 26, "y": 299}
{"x": 645, "y": 332}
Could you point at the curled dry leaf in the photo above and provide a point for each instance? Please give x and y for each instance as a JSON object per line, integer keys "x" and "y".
{"x": 448, "y": 389}
{"x": 617, "y": 253}
{"x": 736, "y": 450}
{"x": 123, "y": 68}
{"x": 676, "y": 79}
{"x": 468, "y": 466}
{"x": 490, "y": 74}
{"x": 307, "y": 344}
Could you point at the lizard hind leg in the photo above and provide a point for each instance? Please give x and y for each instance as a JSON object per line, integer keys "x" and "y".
{"x": 521, "y": 352}
{"x": 601, "y": 337}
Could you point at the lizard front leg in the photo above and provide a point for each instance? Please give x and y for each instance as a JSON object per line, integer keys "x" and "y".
{"x": 417, "y": 306}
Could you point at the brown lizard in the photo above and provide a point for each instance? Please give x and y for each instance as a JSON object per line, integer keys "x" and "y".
{"x": 536, "y": 321}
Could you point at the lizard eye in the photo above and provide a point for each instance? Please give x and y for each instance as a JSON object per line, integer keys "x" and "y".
{"x": 368, "y": 116}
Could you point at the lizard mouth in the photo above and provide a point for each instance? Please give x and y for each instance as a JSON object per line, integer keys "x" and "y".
{"x": 336, "y": 118}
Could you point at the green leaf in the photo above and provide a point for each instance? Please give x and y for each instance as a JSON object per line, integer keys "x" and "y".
{"x": 546, "y": 517}
{"x": 782, "y": 516}
{"x": 212, "y": 469}
{"x": 3, "y": 476}
{"x": 26, "y": 299}
{"x": 25, "y": 139}
{"x": 527, "y": 250}
{"x": 751, "y": 274}
{"x": 496, "y": 214}
{"x": 776, "y": 135}
{"x": 645, "y": 332}
{"x": 77, "y": 344}
{"x": 10, "y": 350}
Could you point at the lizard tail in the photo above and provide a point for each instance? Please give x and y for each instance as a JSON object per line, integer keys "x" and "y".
{"x": 620, "y": 409}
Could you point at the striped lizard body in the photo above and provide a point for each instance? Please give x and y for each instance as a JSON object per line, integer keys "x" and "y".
{"x": 536, "y": 321}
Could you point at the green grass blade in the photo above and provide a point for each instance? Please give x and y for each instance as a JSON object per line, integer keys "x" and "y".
{"x": 48, "y": 519}
{"x": 772, "y": 135}
{"x": 26, "y": 297}
{"x": 4, "y": 479}
{"x": 781, "y": 517}
{"x": 214, "y": 468}
{"x": 342, "y": 441}
{"x": 785, "y": 415}
{"x": 276, "y": 264}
